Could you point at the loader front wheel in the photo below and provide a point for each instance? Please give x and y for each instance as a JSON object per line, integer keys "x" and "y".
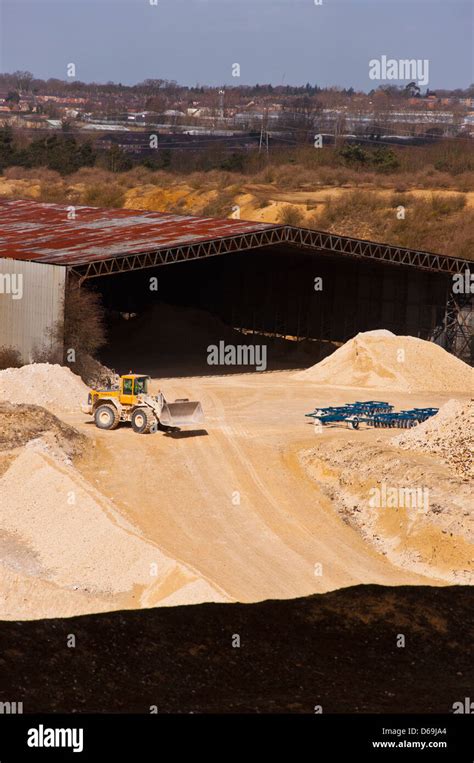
{"x": 106, "y": 417}
{"x": 143, "y": 420}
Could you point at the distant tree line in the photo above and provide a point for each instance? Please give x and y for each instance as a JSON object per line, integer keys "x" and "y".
{"x": 62, "y": 153}
{"x": 65, "y": 154}
{"x": 24, "y": 82}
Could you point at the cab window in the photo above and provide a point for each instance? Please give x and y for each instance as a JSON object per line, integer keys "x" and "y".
{"x": 128, "y": 386}
{"x": 140, "y": 386}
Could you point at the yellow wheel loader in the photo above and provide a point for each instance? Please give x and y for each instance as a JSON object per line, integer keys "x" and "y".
{"x": 129, "y": 400}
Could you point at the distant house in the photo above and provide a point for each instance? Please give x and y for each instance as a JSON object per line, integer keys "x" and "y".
{"x": 105, "y": 127}
{"x": 32, "y": 121}
{"x": 201, "y": 111}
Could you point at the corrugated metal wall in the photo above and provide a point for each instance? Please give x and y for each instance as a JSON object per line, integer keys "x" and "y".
{"x": 31, "y": 303}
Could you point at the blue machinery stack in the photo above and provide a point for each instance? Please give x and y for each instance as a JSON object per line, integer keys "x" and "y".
{"x": 374, "y": 413}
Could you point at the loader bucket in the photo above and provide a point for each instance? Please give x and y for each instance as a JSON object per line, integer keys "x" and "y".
{"x": 181, "y": 413}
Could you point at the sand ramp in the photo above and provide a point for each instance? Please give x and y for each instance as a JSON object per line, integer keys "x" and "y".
{"x": 57, "y": 529}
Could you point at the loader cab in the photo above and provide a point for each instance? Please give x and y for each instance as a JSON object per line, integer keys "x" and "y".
{"x": 132, "y": 385}
{"x": 141, "y": 385}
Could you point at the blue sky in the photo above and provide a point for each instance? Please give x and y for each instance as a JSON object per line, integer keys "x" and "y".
{"x": 197, "y": 41}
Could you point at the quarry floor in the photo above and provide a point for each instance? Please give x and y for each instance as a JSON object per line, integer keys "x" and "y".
{"x": 233, "y": 501}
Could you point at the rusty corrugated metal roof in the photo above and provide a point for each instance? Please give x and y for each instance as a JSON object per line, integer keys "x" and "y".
{"x": 30, "y": 230}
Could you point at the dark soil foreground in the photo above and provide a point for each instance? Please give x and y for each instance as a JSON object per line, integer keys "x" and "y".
{"x": 337, "y": 650}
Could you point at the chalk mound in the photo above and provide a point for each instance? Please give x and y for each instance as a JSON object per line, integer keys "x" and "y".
{"x": 60, "y": 534}
{"x": 449, "y": 435}
{"x": 52, "y": 386}
{"x": 382, "y": 360}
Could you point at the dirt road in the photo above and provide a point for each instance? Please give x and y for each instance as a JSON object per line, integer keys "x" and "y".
{"x": 232, "y": 502}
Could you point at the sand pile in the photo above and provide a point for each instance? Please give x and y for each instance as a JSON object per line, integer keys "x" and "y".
{"x": 449, "y": 435}
{"x": 57, "y": 530}
{"x": 382, "y": 360}
{"x": 52, "y": 386}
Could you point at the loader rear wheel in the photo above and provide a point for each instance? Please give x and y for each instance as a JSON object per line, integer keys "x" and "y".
{"x": 143, "y": 420}
{"x": 106, "y": 417}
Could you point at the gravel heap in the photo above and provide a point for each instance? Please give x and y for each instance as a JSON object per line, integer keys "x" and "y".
{"x": 382, "y": 360}
{"x": 449, "y": 435}
{"x": 52, "y": 386}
